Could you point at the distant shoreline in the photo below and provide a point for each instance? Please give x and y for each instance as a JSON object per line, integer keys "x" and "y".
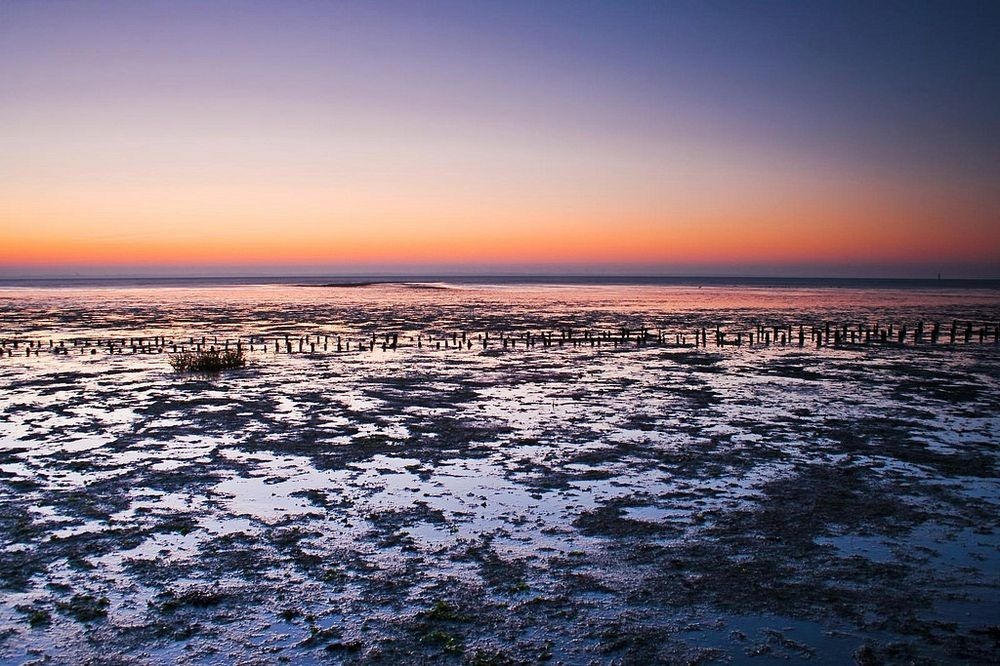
{"x": 440, "y": 281}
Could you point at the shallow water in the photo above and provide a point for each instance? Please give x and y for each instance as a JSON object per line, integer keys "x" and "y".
{"x": 617, "y": 504}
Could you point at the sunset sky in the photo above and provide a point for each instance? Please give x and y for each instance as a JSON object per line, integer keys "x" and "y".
{"x": 752, "y": 138}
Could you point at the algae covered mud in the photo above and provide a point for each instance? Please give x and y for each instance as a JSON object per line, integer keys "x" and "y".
{"x": 570, "y": 504}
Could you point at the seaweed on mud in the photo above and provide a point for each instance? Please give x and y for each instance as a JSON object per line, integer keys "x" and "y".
{"x": 17, "y": 568}
{"x": 190, "y": 478}
{"x": 177, "y": 524}
{"x": 390, "y": 523}
{"x": 765, "y": 558}
{"x": 818, "y": 497}
{"x": 793, "y": 367}
{"x": 921, "y": 380}
{"x": 442, "y": 611}
{"x": 16, "y": 523}
{"x": 169, "y": 601}
{"x": 421, "y": 390}
{"x": 636, "y": 643}
{"x": 35, "y": 615}
{"x": 98, "y": 500}
{"x": 895, "y": 438}
{"x": 286, "y": 540}
{"x": 507, "y": 575}
{"x": 700, "y": 396}
{"x": 85, "y": 607}
{"x": 235, "y": 552}
{"x": 440, "y": 436}
{"x": 702, "y": 360}
{"x": 608, "y": 521}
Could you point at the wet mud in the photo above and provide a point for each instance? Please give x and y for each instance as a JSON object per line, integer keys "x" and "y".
{"x": 562, "y": 505}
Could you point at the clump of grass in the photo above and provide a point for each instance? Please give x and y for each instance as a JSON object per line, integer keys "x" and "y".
{"x": 444, "y": 612}
{"x": 447, "y": 642}
{"x": 210, "y": 360}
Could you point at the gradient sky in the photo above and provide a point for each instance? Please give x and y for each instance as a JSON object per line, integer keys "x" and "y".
{"x": 670, "y": 137}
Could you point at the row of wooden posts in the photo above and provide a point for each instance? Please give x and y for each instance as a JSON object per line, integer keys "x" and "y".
{"x": 827, "y": 335}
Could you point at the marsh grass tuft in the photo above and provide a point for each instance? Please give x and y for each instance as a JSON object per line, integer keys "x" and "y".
{"x": 211, "y": 360}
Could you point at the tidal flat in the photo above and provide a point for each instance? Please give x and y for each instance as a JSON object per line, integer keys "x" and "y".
{"x": 577, "y": 505}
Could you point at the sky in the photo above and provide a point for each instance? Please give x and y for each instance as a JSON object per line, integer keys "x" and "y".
{"x": 668, "y": 138}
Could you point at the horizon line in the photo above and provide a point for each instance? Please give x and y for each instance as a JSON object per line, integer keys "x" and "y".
{"x": 380, "y": 277}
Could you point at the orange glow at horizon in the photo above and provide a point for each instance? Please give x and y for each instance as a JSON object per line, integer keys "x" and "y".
{"x": 809, "y": 232}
